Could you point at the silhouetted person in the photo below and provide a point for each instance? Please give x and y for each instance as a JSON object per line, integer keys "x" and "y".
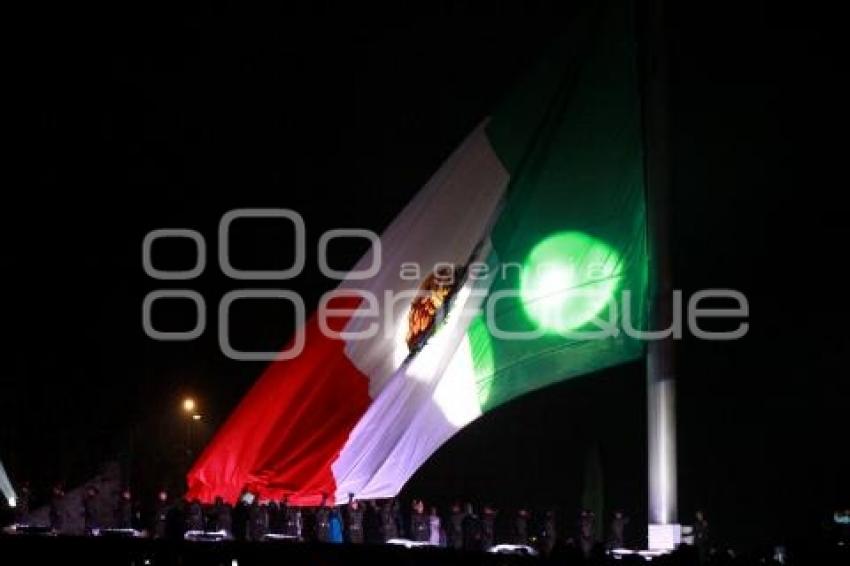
{"x": 455, "y": 528}
{"x": 292, "y": 523}
{"x": 488, "y": 528}
{"x": 253, "y": 519}
{"x": 549, "y": 534}
{"x": 195, "y": 516}
{"x": 309, "y": 529}
{"x": 223, "y": 520}
{"x": 420, "y": 527}
{"x": 471, "y": 529}
{"x": 354, "y": 521}
{"x": 160, "y": 515}
{"x": 335, "y": 525}
{"x": 570, "y": 553}
{"x": 437, "y": 538}
{"x": 617, "y": 536}
{"x": 389, "y": 520}
{"x": 124, "y": 511}
{"x": 273, "y": 515}
{"x": 258, "y": 517}
{"x": 323, "y": 524}
{"x": 521, "y": 527}
{"x": 262, "y": 527}
{"x": 277, "y": 519}
{"x": 175, "y": 522}
{"x": 372, "y": 523}
{"x": 701, "y": 540}
{"x": 57, "y": 498}
{"x": 240, "y": 520}
{"x": 90, "y": 518}
{"x": 22, "y": 505}
{"x": 587, "y": 538}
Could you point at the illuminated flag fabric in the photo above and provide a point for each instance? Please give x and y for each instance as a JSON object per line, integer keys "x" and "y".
{"x": 528, "y": 242}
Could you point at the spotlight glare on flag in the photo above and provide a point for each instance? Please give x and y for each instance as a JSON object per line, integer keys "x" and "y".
{"x": 568, "y": 278}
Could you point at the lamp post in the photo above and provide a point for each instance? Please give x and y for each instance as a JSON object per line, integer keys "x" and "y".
{"x": 190, "y": 409}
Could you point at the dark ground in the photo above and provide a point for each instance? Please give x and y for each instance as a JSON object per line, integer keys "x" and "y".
{"x": 20, "y": 550}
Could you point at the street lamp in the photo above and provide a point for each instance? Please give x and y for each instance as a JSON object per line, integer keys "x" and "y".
{"x": 190, "y": 409}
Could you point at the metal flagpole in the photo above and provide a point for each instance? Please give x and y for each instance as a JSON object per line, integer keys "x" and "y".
{"x": 6, "y": 487}
{"x": 664, "y": 530}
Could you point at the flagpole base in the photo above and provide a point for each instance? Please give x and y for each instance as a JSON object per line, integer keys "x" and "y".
{"x": 664, "y": 537}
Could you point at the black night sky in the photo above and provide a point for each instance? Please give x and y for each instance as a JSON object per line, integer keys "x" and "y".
{"x": 138, "y": 118}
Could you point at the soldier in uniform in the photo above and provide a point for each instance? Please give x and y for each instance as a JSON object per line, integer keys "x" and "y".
{"x": 399, "y": 520}
{"x": 57, "y": 498}
{"x": 90, "y": 518}
{"x": 240, "y": 520}
{"x": 195, "y": 517}
{"x": 617, "y": 537}
{"x": 258, "y": 516}
{"x": 175, "y": 520}
{"x": 521, "y": 527}
{"x": 701, "y": 540}
{"x": 222, "y": 518}
{"x": 295, "y": 522}
{"x": 549, "y": 535}
{"x": 471, "y": 529}
{"x": 389, "y": 524}
{"x": 354, "y": 521}
{"x": 488, "y": 528}
{"x": 160, "y": 516}
{"x": 265, "y": 521}
{"x": 124, "y": 511}
{"x": 455, "y": 530}
{"x": 22, "y": 505}
{"x": 273, "y": 513}
{"x": 587, "y": 538}
{"x": 435, "y": 528}
{"x": 372, "y": 523}
{"x": 253, "y": 519}
{"x": 291, "y": 519}
{"x": 280, "y": 523}
{"x": 323, "y": 522}
{"x": 420, "y": 525}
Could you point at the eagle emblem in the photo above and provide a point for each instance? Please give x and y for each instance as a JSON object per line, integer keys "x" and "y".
{"x": 431, "y": 303}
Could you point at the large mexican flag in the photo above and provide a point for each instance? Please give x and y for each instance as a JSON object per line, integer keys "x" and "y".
{"x": 510, "y": 270}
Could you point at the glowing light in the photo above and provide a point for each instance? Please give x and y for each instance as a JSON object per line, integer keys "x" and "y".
{"x": 456, "y": 394}
{"x": 13, "y": 502}
{"x": 189, "y": 405}
{"x": 465, "y": 385}
{"x": 567, "y": 280}
{"x": 196, "y": 417}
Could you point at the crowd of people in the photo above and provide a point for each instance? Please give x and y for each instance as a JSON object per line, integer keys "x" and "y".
{"x": 458, "y": 526}
{"x": 461, "y": 526}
